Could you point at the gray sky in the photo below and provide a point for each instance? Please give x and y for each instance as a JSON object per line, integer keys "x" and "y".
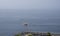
{"x": 52, "y": 11}
{"x": 29, "y": 4}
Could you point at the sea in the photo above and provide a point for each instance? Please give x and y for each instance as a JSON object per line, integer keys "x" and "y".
{"x": 12, "y": 21}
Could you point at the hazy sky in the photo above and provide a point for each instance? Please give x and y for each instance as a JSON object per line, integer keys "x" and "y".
{"x": 52, "y": 11}
{"x": 29, "y": 4}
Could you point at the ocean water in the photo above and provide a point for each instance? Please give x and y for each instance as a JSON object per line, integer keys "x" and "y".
{"x": 12, "y": 29}
{"x": 12, "y": 21}
{"x": 34, "y": 28}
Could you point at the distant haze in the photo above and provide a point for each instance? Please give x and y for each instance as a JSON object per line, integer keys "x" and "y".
{"x": 31, "y": 16}
{"x": 30, "y": 4}
{"x": 33, "y": 11}
{"x": 41, "y": 15}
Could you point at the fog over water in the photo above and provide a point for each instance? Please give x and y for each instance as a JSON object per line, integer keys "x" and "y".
{"x": 15, "y": 18}
{"x": 41, "y": 15}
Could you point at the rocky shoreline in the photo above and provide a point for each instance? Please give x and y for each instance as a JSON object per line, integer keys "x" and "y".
{"x": 37, "y": 34}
